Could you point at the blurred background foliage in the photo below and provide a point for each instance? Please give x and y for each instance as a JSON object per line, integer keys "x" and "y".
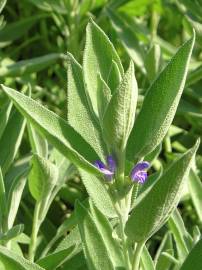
{"x": 35, "y": 36}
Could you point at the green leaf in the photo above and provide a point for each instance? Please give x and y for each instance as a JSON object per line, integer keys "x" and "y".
{"x": 14, "y": 192}
{"x": 55, "y": 130}
{"x": 73, "y": 239}
{"x": 11, "y": 140}
{"x": 166, "y": 245}
{"x": 2, "y": 4}
{"x": 99, "y": 55}
{"x": 194, "y": 76}
{"x": 4, "y": 116}
{"x": 32, "y": 65}
{"x": 77, "y": 262}
{"x": 195, "y": 188}
{"x": 160, "y": 201}
{"x": 67, "y": 248}
{"x": 79, "y": 116}
{"x": 128, "y": 38}
{"x": 98, "y": 192}
{"x": 2, "y": 200}
{"x": 100, "y": 248}
{"x": 153, "y": 61}
{"x": 146, "y": 260}
{"x": 43, "y": 177}
{"x": 104, "y": 96}
{"x": 39, "y": 145}
{"x": 11, "y": 261}
{"x": 17, "y": 29}
{"x": 50, "y": 6}
{"x": 182, "y": 238}
{"x": 120, "y": 114}
{"x": 12, "y": 233}
{"x": 160, "y": 104}
{"x": 194, "y": 258}
{"x": 55, "y": 259}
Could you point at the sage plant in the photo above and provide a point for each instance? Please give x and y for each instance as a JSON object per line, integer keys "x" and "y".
{"x": 111, "y": 144}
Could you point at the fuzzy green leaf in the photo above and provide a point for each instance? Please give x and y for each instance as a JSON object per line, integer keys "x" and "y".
{"x": 120, "y": 114}
{"x": 97, "y": 190}
{"x": 79, "y": 116}
{"x": 43, "y": 177}
{"x": 161, "y": 199}
{"x": 11, "y": 261}
{"x": 4, "y": 116}
{"x": 160, "y": 104}
{"x": 11, "y": 140}
{"x": 55, "y": 130}
{"x": 99, "y": 55}
{"x": 100, "y": 248}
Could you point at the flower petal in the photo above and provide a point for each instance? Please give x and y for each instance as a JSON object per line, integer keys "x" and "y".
{"x": 99, "y": 164}
{"x": 140, "y": 177}
{"x": 140, "y": 166}
{"x": 111, "y": 164}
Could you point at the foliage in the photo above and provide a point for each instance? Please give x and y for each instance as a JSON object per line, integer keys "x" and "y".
{"x": 105, "y": 175}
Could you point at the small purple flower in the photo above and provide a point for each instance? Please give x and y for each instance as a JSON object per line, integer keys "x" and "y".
{"x": 138, "y": 173}
{"x": 109, "y": 169}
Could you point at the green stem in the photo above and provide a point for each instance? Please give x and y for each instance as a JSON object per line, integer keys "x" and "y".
{"x": 35, "y": 229}
{"x": 137, "y": 256}
{"x": 167, "y": 142}
{"x": 124, "y": 243}
{"x": 124, "y": 206}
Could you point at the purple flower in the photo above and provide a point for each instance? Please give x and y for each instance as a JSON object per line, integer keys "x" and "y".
{"x": 109, "y": 169}
{"x": 138, "y": 173}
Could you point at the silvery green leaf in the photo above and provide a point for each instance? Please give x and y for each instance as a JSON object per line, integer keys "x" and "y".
{"x": 4, "y": 116}
{"x": 153, "y": 62}
{"x": 146, "y": 260}
{"x": 104, "y": 96}
{"x": 160, "y": 104}
{"x": 11, "y": 140}
{"x": 56, "y": 259}
{"x": 42, "y": 178}
{"x": 99, "y": 194}
{"x": 55, "y": 130}
{"x": 159, "y": 202}
{"x": 39, "y": 145}
{"x": 162, "y": 262}
{"x": 182, "y": 238}
{"x": 12, "y": 261}
{"x": 120, "y": 114}
{"x": 100, "y": 248}
{"x": 80, "y": 117}
{"x": 12, "y": 233}
{"x": 14, "y": 196}
{"x": 99, "y": 55}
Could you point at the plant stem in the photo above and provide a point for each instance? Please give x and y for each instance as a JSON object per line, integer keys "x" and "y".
{"x": 124, "y": 205}
{"x": 137, "y": 255}
{"x": 124, "y": 242}
{"x": 35, "y": 229}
